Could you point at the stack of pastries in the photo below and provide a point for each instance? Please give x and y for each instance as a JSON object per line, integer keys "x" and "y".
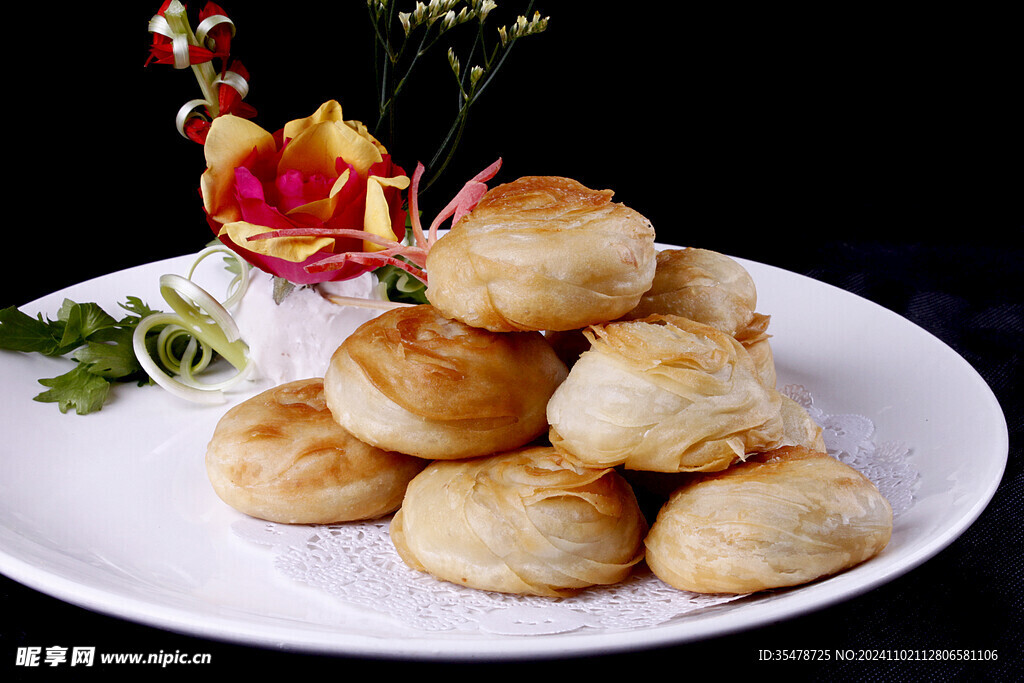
{"x": 564, "y": 371}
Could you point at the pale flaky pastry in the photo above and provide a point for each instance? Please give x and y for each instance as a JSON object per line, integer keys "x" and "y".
{"x": 525, "y": 522}
{"x": 416, "y": 382}
{"x": 542, "y": 253}
{"x": 664, "y": 394}
{"x": 280, "y": 456}
{"x": 704, "y": 286}
{"x": 714, "y": 289}
{"x": 799, "y": 428}
{"x": 779, "y": 519}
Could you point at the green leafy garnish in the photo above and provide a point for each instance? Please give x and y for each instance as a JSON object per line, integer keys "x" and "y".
{"x": 99, "y": 344}
{"x": 400, "y": 286}
{"x": 80, "y": 389}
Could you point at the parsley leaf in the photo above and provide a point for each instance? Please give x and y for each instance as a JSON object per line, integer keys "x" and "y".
{"x": 82, "y": 321}
{"x": 100, "y": 345}
{"x": 113, "y": 358}
{"x": 79, "y": 389}
{"x": 21, "y": 332}
{"x": 134, "y": 304}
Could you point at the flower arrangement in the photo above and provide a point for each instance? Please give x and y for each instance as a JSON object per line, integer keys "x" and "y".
{"x": 319, "y": 200}
{"x": 322, "y": 199}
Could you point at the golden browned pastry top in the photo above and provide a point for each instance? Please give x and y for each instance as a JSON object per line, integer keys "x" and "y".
{"x": 542, "y": 253}
{"x": 249, "y": 439}
{"x": 281, "y": 456}
{"x": 780, "y": 518}
{"x": 707, "y": 287}
{"x": 443, "y": 369}
{"x": 540, "y": 196}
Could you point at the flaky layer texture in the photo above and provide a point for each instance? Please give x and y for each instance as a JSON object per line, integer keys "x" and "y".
{"x": 711, "y": 288}
{"x": 414, "y": 381}
{"x": 780, "y": 519}
{"x": 525, "y": 522}
{"x": 664, "y": 394}
{"x": 707, "y": 287}
{"x": 542, "y": 253}
{"x": 280, "y": 456}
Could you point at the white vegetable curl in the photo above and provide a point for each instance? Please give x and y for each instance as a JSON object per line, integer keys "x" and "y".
{"x": 208, "y": 327}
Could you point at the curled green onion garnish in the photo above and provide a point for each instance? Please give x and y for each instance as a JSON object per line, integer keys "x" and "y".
{"x": 200, "y": 329}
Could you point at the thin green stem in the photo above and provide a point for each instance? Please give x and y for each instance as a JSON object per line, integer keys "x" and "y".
{"x": 457, "y": 129}
{"x": 458, "y": 126}
{"x": 389, "y": 97}
{"x": 399, "y": 64}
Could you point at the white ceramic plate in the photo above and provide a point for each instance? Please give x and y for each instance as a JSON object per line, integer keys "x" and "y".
{"x": 113, "y": 512}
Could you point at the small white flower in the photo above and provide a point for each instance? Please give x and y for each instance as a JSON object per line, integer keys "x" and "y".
{"x": 520, "y": 27}
{"x": 485, "y": 7}
{"x": 453, "y": 61}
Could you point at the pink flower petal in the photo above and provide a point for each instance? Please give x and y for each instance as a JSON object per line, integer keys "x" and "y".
{"x": 294, "y": 189}
{"x": 466, "y": 199}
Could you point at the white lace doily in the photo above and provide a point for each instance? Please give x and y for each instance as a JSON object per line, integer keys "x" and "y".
{"x": 356, "y": 563}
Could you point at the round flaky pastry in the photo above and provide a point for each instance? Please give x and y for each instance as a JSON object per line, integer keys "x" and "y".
{"x": 542, "y": 253}
{"x": 780, "y": 519}
{"x": 280, "y": 456}
{"x": 705, "y": 286}
{"x": 664, "y": 394}
{"x": 416, "y": 382}
{"x": 713, "y": 289}
{"x": 526, "y": 522}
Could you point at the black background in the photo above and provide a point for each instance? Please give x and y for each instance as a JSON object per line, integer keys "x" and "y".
{"x": 876, "y": 150}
